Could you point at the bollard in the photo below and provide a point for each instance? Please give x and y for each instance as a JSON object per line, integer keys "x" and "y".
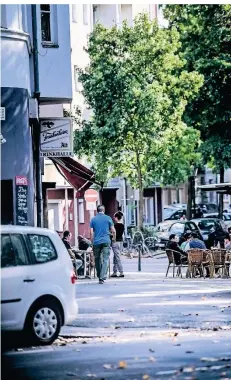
{"x": 139, "y": 259}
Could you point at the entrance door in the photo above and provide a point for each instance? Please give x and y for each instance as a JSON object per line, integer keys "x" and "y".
{"x": 7, "y": 208}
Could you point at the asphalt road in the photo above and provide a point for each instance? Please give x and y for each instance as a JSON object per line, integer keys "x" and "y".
{"x": 141, "y": 327}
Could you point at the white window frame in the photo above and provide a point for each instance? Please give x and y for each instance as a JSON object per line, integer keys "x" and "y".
{"x": 74, "y": 11}
{"x": 53, "y": 25}
{"x": 86, "y": 14}
{"x": 78, "y": 84}
{"x": 81, "y": 210}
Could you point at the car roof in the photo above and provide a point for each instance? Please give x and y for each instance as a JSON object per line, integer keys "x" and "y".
{"x": 209, "y": 219}
{"x": 173, "y": 222}
{"x": 9, "y": 228}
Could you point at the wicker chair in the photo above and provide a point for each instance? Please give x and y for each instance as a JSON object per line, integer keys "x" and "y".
{"x": 171, "y": 261}
{"x": 219, "y": 262}
{"x": 228, "y": 262}
{"x": 198, "y": 262}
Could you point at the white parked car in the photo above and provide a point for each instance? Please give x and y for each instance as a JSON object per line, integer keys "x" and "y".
{"x": 38, "y": 283}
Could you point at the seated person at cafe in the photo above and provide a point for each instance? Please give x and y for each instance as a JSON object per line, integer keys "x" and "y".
{"x": 77, "y": 262}
{"x": 229, "y": 231}
{"x": 86, "y": 245}
{"x": 173, "y": 244}
{"x": 187, "y": 237}
{"x": 216, "y": 237}
{"x": 195, "y": 243}
{"x": 227, "y": 242}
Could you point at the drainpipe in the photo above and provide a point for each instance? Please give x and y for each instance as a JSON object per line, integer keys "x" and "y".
{"x": 38, "y": 176}
{"x": 66, "y": 210}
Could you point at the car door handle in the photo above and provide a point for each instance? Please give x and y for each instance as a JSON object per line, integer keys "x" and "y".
{"x": 29, "y": 280}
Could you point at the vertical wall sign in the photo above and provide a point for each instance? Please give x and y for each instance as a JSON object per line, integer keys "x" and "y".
{"x": 21, "y": 200}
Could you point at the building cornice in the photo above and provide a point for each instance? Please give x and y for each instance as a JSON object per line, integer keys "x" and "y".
{"x": 17, "y": 35}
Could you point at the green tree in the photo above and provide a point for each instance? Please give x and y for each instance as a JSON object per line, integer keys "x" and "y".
{"x": 138, "y": 88}
{"x": 205, "y": 33}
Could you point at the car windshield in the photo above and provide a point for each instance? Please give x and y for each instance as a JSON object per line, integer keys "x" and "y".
{"x": 206, "y": 225}
{"x": 177, "y": 228}
{"x": 168, "y": 212}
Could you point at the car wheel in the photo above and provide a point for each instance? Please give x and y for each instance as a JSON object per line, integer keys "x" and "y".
{"x": 43, "y": 323}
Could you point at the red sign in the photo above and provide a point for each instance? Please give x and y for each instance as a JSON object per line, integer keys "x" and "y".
{"x": 21, "y": 180}
{"x": 91, "y": 195}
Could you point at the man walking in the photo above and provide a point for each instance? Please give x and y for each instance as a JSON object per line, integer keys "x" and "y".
{"x": 101, "y": 228}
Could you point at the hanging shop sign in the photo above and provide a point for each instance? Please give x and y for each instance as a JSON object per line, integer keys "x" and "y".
{"x": 21, "y": 187}
{"x": 56, "y": 138}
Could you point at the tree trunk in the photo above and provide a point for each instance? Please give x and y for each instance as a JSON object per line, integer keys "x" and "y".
{"x": 189, "y": 205}
{"x": 221, "y": 196}
{"x": 141, "y": 209}
{"x": 141, "y": 195}
{"x": 177, "y": 194}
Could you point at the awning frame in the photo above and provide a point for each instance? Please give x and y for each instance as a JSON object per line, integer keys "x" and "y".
{"x": 88, "y": 177}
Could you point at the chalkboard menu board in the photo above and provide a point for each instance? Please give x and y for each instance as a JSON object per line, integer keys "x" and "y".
{"x": 21, "y": 201}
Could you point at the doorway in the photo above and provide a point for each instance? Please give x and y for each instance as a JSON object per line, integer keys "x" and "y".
{"x": 7, "y": 205}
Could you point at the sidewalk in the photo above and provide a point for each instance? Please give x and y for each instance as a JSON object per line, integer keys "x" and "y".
{"x": 149, "y": 300}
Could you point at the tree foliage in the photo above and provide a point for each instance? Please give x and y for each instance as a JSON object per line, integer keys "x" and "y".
{"x": 205, "y": 33}
{"x": 138, "y": 88}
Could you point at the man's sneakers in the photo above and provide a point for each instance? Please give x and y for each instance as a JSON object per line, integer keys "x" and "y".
{"x": 101, "y": 281}
{"x": 115, "y": 275}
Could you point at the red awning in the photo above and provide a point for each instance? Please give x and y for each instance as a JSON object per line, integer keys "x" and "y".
{"x": 78, "y": 176}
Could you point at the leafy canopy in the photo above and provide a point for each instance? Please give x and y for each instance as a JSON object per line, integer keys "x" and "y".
{"x": 137, "y": 87}
{"x": 205, "y": 33}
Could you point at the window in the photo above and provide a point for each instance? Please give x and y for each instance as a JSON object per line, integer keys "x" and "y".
{"x": 85, "y": 14}
{"x": 81, "y": 211}
{"x": 7, "y": 252}
{"x": 3, "y": 16}
{"x": 148, "y": 211}
{"x": 177, "y": 228}
{"x": 192, "y": 227}
{"x": 94, "y": 14}
{"x": 24, "y": 18}
{"x": 42, "y": 248}
{"x": 177, "y": 215}
{"x": 74, "y": 13}
{"x": 19, "y": 250}
{"x": 78, "y": 86}
{"x": 13, "y": 251}
{"x": 46, "y": 22}
{"x": 206, "y": 225}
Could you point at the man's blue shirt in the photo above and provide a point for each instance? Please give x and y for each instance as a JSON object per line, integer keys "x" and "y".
{"x": 101, "y": 225}
{"x": 197, "y": 243}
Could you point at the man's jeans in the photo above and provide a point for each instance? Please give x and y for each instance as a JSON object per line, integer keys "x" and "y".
{"x": 77, "y": 264}
{"x": 102, "y": 253}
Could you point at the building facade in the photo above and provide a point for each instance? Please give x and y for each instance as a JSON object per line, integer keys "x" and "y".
{"x": 50, "y": 27}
